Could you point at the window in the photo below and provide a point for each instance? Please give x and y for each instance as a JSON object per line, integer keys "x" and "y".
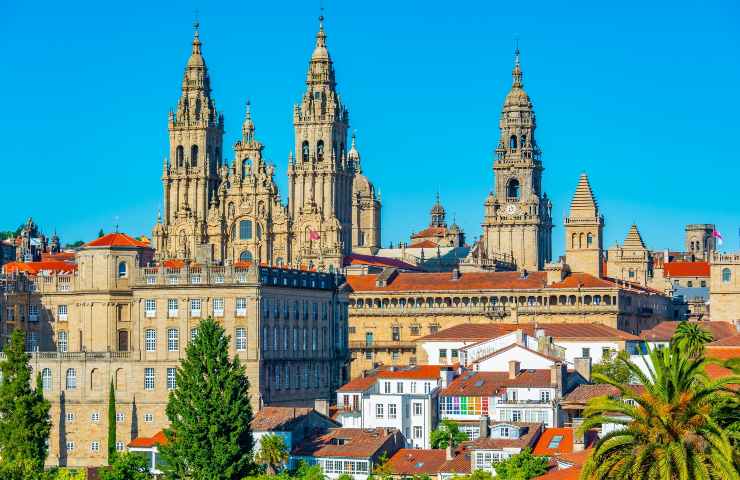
{"x": 320, "y": 150}
{"x": 70, "y": 446}
{"x": 122, "y": 270}
{"x": 241, "y": 307}
{"x": 545, "y": 396}
{"x": 62, "y": 342}
{"x": 454, "y": 354}
{"x": 173, "y": 340}
{"x": 245, "y": 230}
{"x": 387, "y": 387}
{"x": 399, "y": 387}
{"x": 194, "y": 156}
{"x": 417, "y": 431}
{"x": 241, "y": 339}
{"x": 123, "y": 340}
{"x": 413, "y": 387}
{"x": 70, "y": 417}
{"x": 726, "y": 275}
{"x": 414, "y": 330}
{"x": 703, "y": 283}
{"x": 396, "y": 334}
{"x": 512, "y": 142}
{"x": 171, "y": 378}
{"x": 246, "y": 255}
{"x": 32, "y": 341}
{"x": 71, "y": 379}
{"x": 172, "y": 307}
{"x": 95, "y": 417}
{"x": 304, "y": 151}
{"x": 62, "y": 313}
{"x": 368, "y": 354}
{"x": 391, "y": 410}
{"x": 586, "y": 352}
{"x": 631, "y": 273}
{"x": 379, "y": 410}
{"x": 95, "y": 447}
{"x": 442, "y": 354}
{"x": 119, "y": 446}
{"x": 150, "y": 308}
{"x": 193, "y": 333}
{"x": 689, "y": 284}
{"x": 33, "y": 313}
{"x": 512, "y": 189}
{"x": 46, "y": 378}
{"x": 418, "y": 408}
{"x": 148, "y": 378}
{"x": 120, "y": 417}
{"x": 555, "y": 441}
{"x": 148, "y": 417}
{"x": 427, "y": 387}
{"x": 195, "y": 305}
{"x": 218, "y": 307}
{"x": 150, "y": 340}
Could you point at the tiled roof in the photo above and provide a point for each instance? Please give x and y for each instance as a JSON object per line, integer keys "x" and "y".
{"x": 173, "y": 263}
{"x": 116, "y": 239}
{"x": 512, "y": 346}
{"x": 360, "y": 384}
{"x": 663, "y": 331}
{"x": 583, "y": 280}
{"x": 487, "y": 384}
{"x": 422, "y": 282}
{"x": 424, "y": 244}
{"x": 531, "y": 432}
{"x": 720, "y": 353}
{"x": 149, "y": 442}
{"x": 357, "y": 259}
{"x": 686, "y": 269}
{"x": 413, "y": 461}
{"x": 573, "y": 473}
{"x": 460, "y": 462}
{"x": 420, "y": 372}
{"x": 542, "y": 447}
{"x": 733, "y": 341}
{"x": 272, "y": 418}
{"x": 576, "y": 458}
{"x": 34, "y": 268}
{"x": 345, "y": 442}
{"x": 559, "y": 331}
{"x": 430, "y": 232}
{"x": 60, "y": 256}
{"x": 584, "y": 393}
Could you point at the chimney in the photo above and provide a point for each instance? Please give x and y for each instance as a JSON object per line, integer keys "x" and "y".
{"x": 583, "y": 367}
{"x": 513, "y": 369}
{"x": 446, "y": 375}
{"x": 556, "y": 376}
{"x": 321, "y": 405}
{"x": 448, "y": 452}
{"x": 484, "y": 433}
{"x": 578, "y": 438}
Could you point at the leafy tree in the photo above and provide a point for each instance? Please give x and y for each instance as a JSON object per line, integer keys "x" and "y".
{"x": 609, "y": 366}
{"x": 273, "y": 453}
{"x": 101, "y": 233}
{"x": 209, "y": 411}
{"x": 691, "y": 337}
{"x": 448, "y": 434}
{"x": 127, "y": 466}
{"x": 308, "y": 472}
{"x": 476, "y": 475}
{"x": 111, "y": 424}
{"x": 345, "y": 476}
{"x": 382, "y": 468}
{"x": 66, "y": 474}
{"x": 669, "y": 431}
{"x": 521, "y": 466}
{"x": 76, "y": 244}
{"x": 24, "y": 414}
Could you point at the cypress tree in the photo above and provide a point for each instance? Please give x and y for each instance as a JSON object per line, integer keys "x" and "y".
{"x": 210, "y": 436}
{"x": 111, "y": 424}
{"x": 24, "y": 412}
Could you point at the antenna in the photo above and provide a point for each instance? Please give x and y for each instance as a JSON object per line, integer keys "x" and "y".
{"x": 196, "y": 22}
{"x": 116, "y": 219}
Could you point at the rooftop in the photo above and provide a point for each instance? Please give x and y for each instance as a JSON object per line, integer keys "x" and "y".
{"x": 412, "y": 461}
{"x": 116, "y": 239}
{"x": 663, "y": 331}
{"x": 529, "y": 434}
{"x": 420, "y": 372}
{"x": 148, "y": 442}
{"x": 346, "y": 442}
{"x": 480, "y": 384}
{"x": 358, "y": 259}
{"x": 559, "y": 331}
{"x": 34, "y": 268}
{"x": 275, "y": 418}
{"x": 686, "y": 269}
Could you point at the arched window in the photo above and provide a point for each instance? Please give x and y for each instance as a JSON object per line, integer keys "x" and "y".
{"x": 71, "y": 379}
{"x": 304, "y": 150}
{"x": 46, "y": 378}
{"x": 320, "y": 150}
{"x": 279, "y": 262}
{"x": 523, "y": 141}
{"x": 589, "y": 240}
{"x": 194, "y": 156}
{"x": 245, "y": 230}
{"x": 246, "y": 166}
{"x": 573, "y": 240}
{"x": 120, "y": 380}
{"x": 179, "y": 155}
{"x": 62, "y": 342}
{"x": 122, "y": 270}
{"x": 95, "y": 380}
{"x": 245, "y": 256}
{"x": 512, "y": 142}
{"x": 580, "y": 241}
{"x": 726, "y": 275}
{"x": 512, "y": 190}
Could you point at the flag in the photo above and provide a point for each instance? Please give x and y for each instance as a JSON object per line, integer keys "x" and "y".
{"x": 313, "y": 235}
{"x": 718, "y": 237}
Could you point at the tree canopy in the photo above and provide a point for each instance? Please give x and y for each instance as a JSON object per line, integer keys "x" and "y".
{"x": 447, "y": 434}
{"x": 521, "y": 466}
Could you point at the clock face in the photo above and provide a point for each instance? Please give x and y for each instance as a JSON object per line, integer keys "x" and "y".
{"x": 510, "y": 209}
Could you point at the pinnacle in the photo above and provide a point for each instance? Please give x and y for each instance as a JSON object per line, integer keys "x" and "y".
{"x": 634, "y": 239}
{"x": 584, "y": 202}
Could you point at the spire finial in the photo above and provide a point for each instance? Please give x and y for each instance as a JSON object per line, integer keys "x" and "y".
{"x": 517, "y": 72}
{"x": 354, "y": 138}
{"x": 249, "y": 109}
{"x": 196, "y": 35}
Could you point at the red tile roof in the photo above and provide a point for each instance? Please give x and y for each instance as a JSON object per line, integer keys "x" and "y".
{"x": 663, "y": 331}
{"x": 272, "y": 418}
{"x": 148, "y": 442}
{"x": 421, "y": 372}
{"x": 35, "y": 268}
{"x": 412, "y": 461}
{"x": 686, "y": 269}
{"x": 357, "y": 259}
{"x": 424, "y": 244}
{"x": 347, "y": 442}
{"x": 583, "y": 280}
{"x": 487, "y": 384}
{"x": 573, "y": 473}
{"x": 583, "y": 393}
{"x": 559, "y": 331}
{"x": 531, "y": 431}
{"x": 460, "y": 463}
{"x": 116, "y": 239}
{"x": 430, "y": 232}
{"x": 422, "y": 282}
{"x": 359, "y": 384}
{"x": 542, "y": 447}
{"x": 733, "y": 341}
{"x": 60, "y": 256}
{"x": 720, "y": 353}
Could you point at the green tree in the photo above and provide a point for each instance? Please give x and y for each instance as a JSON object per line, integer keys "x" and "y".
{"x": 209, "y": 436}
{"x": 476, "y": 475}
{"x": 111, "y": 424}
{"x": 669, "y": 431}
{"x": 75, "y": 244}
{"x": 447, "y": 434}
{"x": 66, "y": 474}
{"x": 24, "y": 412}
{"x": 382, "y": 468}
{"x": 345, "y": 476}
{"x": 127, "y": 466}
{"x": 521, "y": 466}
{"x": 101, "y": 233}
{"x": 308, "y": 472}
{"x": 273, "y": 453}
{"x": 691, "y": 337}
{"x": 609, "y": 366}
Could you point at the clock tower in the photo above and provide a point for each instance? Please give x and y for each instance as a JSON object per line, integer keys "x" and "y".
{"x": 517, "y": 223}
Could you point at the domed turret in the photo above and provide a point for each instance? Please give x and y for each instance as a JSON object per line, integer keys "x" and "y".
{"x": 438, "y": 214}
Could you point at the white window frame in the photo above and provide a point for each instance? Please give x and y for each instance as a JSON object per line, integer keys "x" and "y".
{"x": 195, "y": 307}
{"x": 172, "y": 307}
{"x": 379, "y": 411}
{"x": 95, "y": 417}
{"x": 150, "y": 340}
{"x": 149, "y": 379}
{"x": 62, "y": 311}
{"x": 150, "y": 308}
{"x": 418, "y": 408}
{"x": 148, "y": 417}
{"x": 418, "y": 431}
{"x": 240, "y": 338}
{"x": 218, "y": 307}
{"x": 240, "y": 306}
{"x": 392, "y": 411}
{"x": 95, "y": 446}
{"x": 171, "y": 378}
{"x": 173, "y": 340}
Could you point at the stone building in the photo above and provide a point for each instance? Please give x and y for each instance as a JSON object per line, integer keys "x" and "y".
{"x": 584, "y": 231}
{"x": 115, "y": 316}
{"x": 631, "y": 261}
{"x": 229, "y": 213}
{"x": 438, "y": 234}
{"x": 31, "y": 243}
{"x": 699, "y": 241}
{"x": 724, "y": 287}
{"x": 518, "y": 214}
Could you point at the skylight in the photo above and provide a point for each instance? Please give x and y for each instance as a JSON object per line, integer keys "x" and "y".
{"x": 479, "y": 383}
{"x": 555, "y": 441}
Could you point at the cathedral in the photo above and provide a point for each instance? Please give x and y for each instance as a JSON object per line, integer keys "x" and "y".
{"x": 214, "y": 211}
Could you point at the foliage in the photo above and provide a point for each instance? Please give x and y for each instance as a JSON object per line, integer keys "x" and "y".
{"x": 111, "y": 424}
{"x": 382, "y": 468}
{"x": 101, "y": 233}
{"x": 24, "y": 414}
{"x": 691, "y": 337}
{"x": 668, "y": 430}
{"x": 11, "y": 233}
{"x": 308, "y": 472}
{"x": 75, "y": 244}
{"x": 521, "y": 466}
{"x": 66, "y": 474}
{"x": 210, "y": 413}
{"x": 447, "y": 434}
{"x": 127, "y": 466}
{"x": 476, "y": 475}
{"x": 273, "y": 453}
{"x": 611, "y": 367}
{"x": 345, "y": 476}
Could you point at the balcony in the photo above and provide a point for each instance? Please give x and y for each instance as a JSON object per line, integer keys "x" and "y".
{"x": 538, "y": 402}
{"x": 379, "y": 345}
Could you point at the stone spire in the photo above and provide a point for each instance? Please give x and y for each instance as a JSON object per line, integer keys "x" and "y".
{"x": 354, "y": 155}
{"x": 196, "y": 72}
{"x": 321, "y": 68}
{"x": 584, "y": 203}
{"x": 634, "y": 239}
{"x": 248, "y": 126}
{"x": 438, "y": 214}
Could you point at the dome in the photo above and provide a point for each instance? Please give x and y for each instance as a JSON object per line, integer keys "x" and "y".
{"x": 196, "y": 60}
{"x": 517, "y": 97}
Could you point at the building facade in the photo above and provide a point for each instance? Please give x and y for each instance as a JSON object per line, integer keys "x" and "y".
{"x": 699, "y": 240}
{"x": 213, "y": 211}
{"x": 724, "y": 287}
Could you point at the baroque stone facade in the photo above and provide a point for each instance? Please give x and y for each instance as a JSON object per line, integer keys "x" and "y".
{"x": 213, "y": 211}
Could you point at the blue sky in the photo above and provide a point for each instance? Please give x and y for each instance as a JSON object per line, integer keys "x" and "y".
{"x": 641, "y": 95}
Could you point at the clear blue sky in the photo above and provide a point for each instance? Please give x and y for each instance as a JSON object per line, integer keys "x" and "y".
{"x": 641, "y": 95}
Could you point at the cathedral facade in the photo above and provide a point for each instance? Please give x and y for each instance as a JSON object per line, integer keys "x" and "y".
{"x": 229, "y": 213}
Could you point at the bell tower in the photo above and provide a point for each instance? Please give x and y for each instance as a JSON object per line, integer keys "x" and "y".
{"x": 584, "y": 229}
{"x": 517, "y": 223}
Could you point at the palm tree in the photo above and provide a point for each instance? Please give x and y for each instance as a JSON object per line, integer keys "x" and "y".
{"x": 691, "y": 337}
{"x": 273, "y": 453}
{"x": 668, "y": 431}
